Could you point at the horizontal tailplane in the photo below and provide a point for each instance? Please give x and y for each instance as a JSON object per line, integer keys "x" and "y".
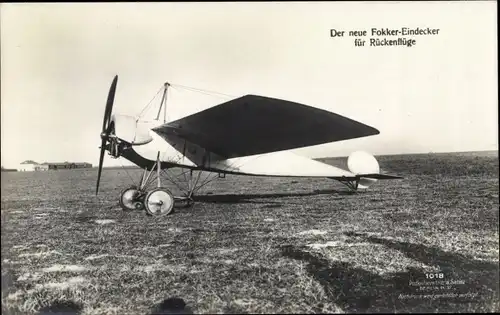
{"x": 378, "y": 176}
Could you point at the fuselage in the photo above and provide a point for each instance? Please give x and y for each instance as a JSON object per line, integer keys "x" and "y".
{"x": 177, "y": 152}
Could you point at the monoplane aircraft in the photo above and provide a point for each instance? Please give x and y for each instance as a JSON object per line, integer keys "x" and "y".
{"x": 249, "y": 135}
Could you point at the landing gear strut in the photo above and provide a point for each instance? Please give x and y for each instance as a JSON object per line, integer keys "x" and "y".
{"x": 160, "y": 201}
{"x": 156, "y": 202}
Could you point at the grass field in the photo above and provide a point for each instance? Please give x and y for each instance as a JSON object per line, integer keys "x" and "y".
{"x": 257, "y": 245}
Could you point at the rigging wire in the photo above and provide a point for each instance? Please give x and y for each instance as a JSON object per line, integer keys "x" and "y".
{"x": 206, "y": 181}
{"x": 126, "y": 171}
{"x": 165, "y": 173}
{"x": 187, "y": 88}
{"x": 150, "y": 102}
{"x": 208, "y": 92}
{"x": 212, "y": 95}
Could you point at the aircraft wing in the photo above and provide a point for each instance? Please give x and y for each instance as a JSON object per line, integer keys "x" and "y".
{"x": 254, "y": 124}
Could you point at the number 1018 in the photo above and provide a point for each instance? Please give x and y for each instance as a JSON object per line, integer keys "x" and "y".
{"x": 434, "y": 275}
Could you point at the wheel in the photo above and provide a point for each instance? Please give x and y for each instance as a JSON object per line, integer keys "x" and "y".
{"x": 159, "y": 201}
{"x": 128, "y": 198}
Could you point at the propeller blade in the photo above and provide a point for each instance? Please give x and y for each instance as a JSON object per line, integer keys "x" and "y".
{"x": 101, "y": 159}
{"x": 106, "y": 128}
{"x": 109, "y": 104}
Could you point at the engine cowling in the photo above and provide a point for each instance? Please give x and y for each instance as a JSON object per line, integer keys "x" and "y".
{"x": 130, "y": 130}
{"x": 361, "y": 162}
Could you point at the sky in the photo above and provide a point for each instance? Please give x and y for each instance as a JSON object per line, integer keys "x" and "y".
{"x": 58, "y": 61}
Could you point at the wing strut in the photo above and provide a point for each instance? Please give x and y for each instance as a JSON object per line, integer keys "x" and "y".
{"x": 158, "y": 168}
{"x": 163, "y": 103}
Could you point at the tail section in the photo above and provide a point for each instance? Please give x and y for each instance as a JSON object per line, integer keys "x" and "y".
{"x": 366, "y": 170}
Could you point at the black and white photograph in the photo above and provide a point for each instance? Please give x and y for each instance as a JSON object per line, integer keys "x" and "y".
{"x": 249, "y": 157}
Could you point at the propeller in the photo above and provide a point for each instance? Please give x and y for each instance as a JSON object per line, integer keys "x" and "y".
{"x": 106, "y": 128}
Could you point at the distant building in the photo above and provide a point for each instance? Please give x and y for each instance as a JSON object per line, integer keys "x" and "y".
{"x": 30, "y": 166}
{"x": 42, "y": 167}
{"x": 66, "y": 165}
{"x": 27, "y": 166}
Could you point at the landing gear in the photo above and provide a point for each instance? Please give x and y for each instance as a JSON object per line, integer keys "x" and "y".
{"x": 156, "y": 202}
{"x": 160, "y": 201}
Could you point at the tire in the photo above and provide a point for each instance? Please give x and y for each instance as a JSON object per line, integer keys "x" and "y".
{"x": 129, "y": 198}
{"x": 159, "y": 202}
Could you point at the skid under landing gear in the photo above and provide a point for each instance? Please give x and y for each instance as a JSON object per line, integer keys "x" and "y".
{"x": 159, "y": 201}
